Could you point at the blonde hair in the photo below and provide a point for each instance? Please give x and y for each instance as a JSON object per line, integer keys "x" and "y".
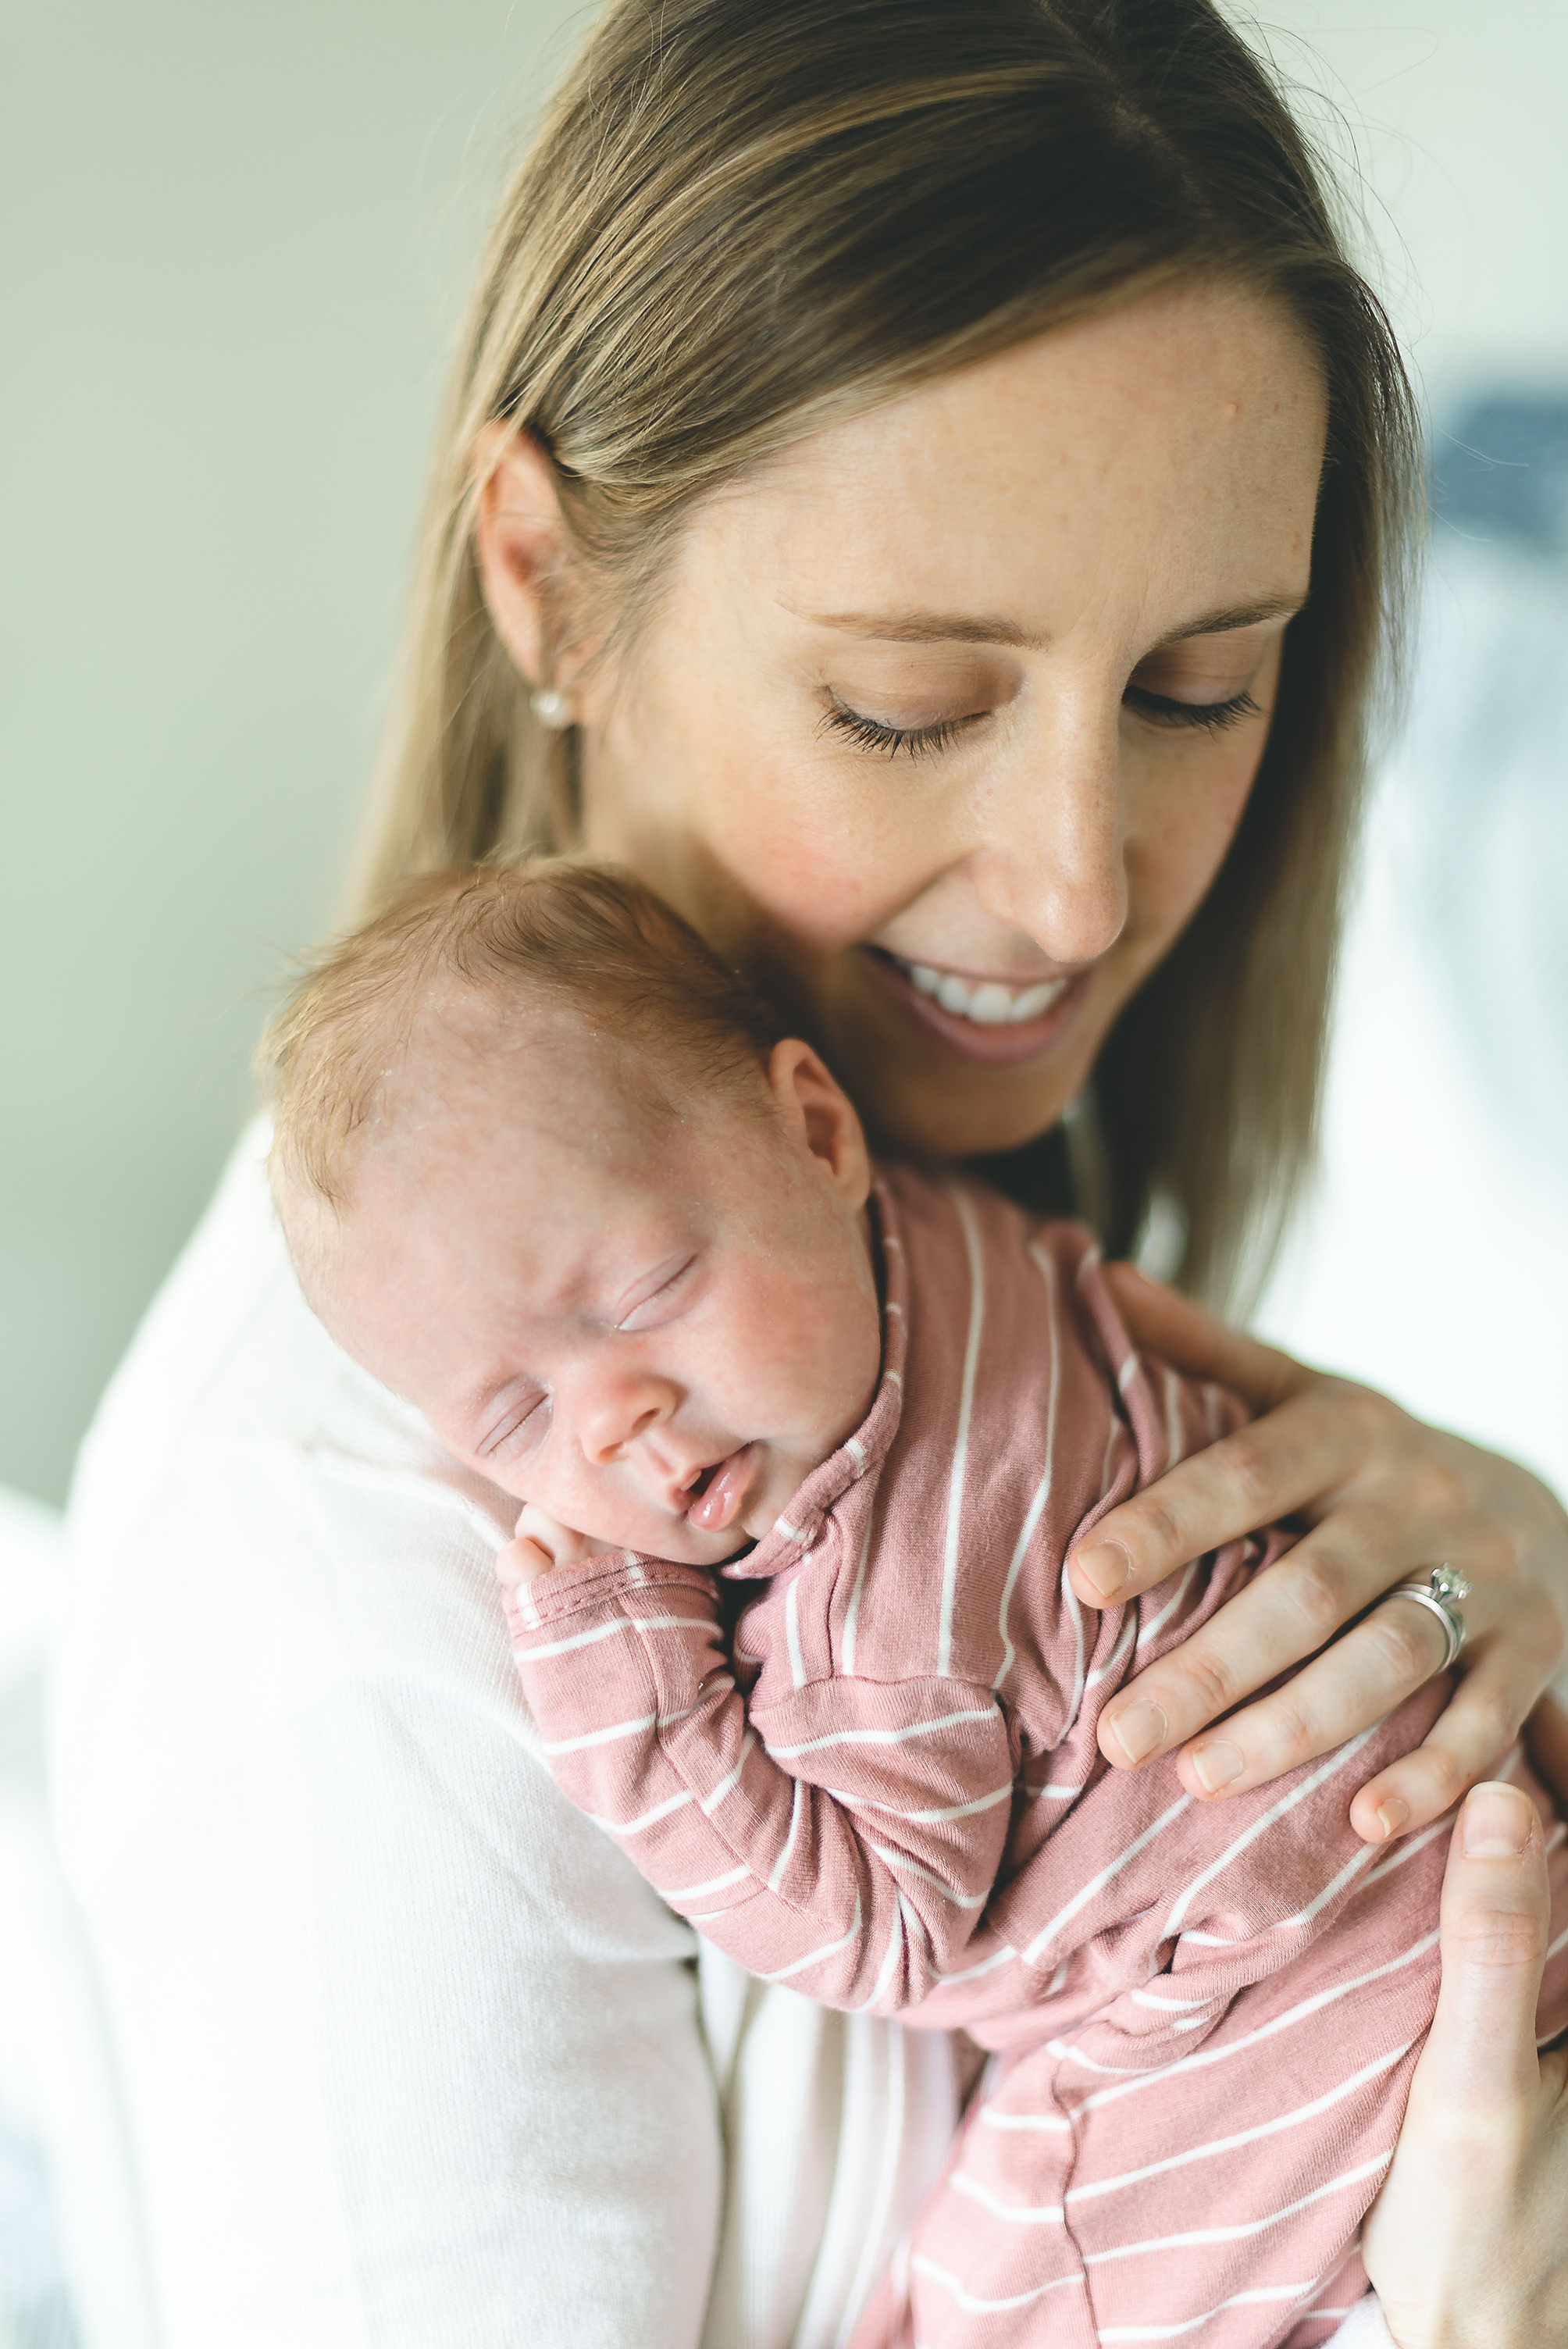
{"x": 739, "y": 223}
{"x": 554, "y": 932}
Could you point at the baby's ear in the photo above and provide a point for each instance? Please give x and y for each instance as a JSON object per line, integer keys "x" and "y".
{"x": 817, "y": 1110}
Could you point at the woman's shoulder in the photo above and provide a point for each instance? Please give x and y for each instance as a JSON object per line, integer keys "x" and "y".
{"x": 254, "y": 1521}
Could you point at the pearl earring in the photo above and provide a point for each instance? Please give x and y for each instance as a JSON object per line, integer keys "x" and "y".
{"x": 551, "y": 708}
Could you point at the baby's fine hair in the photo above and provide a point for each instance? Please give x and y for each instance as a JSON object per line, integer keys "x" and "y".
{"x": 556, "y": 931}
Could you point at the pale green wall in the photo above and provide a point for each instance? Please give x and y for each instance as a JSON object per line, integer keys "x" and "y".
{"x": 233, "y": 240}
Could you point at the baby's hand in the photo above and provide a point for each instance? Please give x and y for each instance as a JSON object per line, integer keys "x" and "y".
{"x": 539, "y": 1545}
{"x": 520, "y": 1561}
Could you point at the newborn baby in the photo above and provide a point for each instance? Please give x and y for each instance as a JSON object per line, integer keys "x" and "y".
{"x": 802, "y": 1447}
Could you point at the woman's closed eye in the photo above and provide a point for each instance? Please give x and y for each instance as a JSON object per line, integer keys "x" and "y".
{"x": 1162, "y": 709}
{"x": 1214, "y": 717}
{"x": 875, "y": 734}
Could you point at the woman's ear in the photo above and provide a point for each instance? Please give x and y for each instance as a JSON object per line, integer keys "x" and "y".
{"x": 519, "y": 535}
{"x": 818, "y": 1113}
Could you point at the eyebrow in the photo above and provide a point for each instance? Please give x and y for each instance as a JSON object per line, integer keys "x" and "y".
{"x": 963, "y": 628}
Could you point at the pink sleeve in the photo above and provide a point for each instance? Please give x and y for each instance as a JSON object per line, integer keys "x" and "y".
{"x": 787, "y": 1836}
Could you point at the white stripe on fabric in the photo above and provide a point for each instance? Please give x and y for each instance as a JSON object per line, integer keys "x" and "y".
{"x": 793, "y": 1633}
{"x": 967, "y": 2301}
{"x": 948, "y": 1891}
{"x": 1127, "y": 1373}
{"x": 1409, "y": 1850}
{"x": 610, "y": 1630}
{"x": 1242, "y": 2232}
{"x": 648, "y": 1818}
{"x": 1264, "y": 2294}
{"x": 1123, "y": 1641}
{"x": 1175, "y": 1448}
{"x": 1168, "y": 2005}
{"x": 731, "y": 1778}
{"x": 1017, "y": 2214}
{"x": 1551, "y": 1949}
{"x": 1097, "y": 1884}
{"x": 1139, "y": 2080}
{"x": 961, "y": 1440}
{"x": 856, "y": 1450}
{"x": 1052, "y": 2124}
{"x": 877, "y": 1736}
{"x": 714, "y": 1884}
{"x": 1058, "y": 1794}
{"x": 776, "y": 1877}
{"x": 1047, "y": 1267}
{"x": 1152, "y": 1630}
{"x": 986, "y": 1966}
{"x": 617, "y": 1729}
{"x": 815, "y": 1957}
{"x": 931, "y": 1818}
{"x": 1351, "y": 1869}
{"x": 1261, "y": 1826}
{"x": 1277, "y": 2127}
{"x": 895, "y": 1947}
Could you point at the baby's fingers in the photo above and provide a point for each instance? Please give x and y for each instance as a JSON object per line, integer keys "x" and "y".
{"x": 519, "y": 1562}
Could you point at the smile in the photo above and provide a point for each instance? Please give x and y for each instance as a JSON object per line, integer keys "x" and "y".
{"x": 986, "y": 1002}
{"x": 983, "y": 1020}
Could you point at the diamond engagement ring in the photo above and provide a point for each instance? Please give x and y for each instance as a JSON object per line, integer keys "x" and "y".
{"x": 1440, "y": 1593}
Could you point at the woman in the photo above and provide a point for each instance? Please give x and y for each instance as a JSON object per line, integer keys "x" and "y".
{"x": 922, "y": 485}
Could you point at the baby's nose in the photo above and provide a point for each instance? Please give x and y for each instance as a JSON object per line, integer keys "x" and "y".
{"x": 610, "y": 1420}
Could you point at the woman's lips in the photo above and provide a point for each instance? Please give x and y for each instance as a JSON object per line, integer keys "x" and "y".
{"x": 725, "y": 1487}
{"x": 998, "y": 1043}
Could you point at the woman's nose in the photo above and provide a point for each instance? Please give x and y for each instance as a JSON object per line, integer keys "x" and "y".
{"x": 1052, "y": 861}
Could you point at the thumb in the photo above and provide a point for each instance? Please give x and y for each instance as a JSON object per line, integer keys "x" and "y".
{"x": 1480, "y": 2054}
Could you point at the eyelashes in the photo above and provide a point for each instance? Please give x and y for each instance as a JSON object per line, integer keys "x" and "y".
{"x": 869, "y": 734}
{"x": 1213, "y": 716}
{"x": 919, "y": 742}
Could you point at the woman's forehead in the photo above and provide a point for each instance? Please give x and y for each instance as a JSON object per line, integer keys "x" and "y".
{"x": 1196, "y": 416}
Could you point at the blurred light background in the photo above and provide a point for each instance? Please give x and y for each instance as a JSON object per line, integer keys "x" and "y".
{"x": 234, "y": 244}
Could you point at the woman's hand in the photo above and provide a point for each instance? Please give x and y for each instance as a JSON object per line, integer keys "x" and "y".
{"x": 1467, "y": 2243}
{"x": 1384, "y": 1497}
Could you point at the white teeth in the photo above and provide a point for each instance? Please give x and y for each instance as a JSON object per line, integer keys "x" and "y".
{"x": 987, "y": 1002}
{"x": 991, "y": 1006}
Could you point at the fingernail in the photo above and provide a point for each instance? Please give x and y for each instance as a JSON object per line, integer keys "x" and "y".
{"x": 1497, "y": 1822}
{"x": 1392, "y": 1813}
{"x": 1216, "y": 1765}
{"x": 1105, "y": 1566}
{"x": 1139, "y": 1730}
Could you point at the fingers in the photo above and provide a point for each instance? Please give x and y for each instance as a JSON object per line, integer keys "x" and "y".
{"x": 1194, "y": 1341}
{"x": 520, "y": 1561}
{"x": 1309, "y": 1446}
{"x": 1467, "y": 1742}
{"x": 1480, "y": 2056}
{"x": 1287, "y": 1613}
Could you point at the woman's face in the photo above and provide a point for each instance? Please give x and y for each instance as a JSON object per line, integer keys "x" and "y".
{"x": 945, "y": 718}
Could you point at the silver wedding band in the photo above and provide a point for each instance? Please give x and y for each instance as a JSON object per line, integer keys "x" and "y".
{"x": 1440, "y": 1593}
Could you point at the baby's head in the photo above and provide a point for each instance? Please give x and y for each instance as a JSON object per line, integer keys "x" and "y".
{"x": 551, "y": 1172}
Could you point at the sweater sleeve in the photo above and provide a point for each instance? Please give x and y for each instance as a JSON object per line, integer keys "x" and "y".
{"x": 844, "y": 1840}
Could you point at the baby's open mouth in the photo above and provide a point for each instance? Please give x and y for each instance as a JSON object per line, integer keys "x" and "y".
{"x": 716, "y": 1495}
